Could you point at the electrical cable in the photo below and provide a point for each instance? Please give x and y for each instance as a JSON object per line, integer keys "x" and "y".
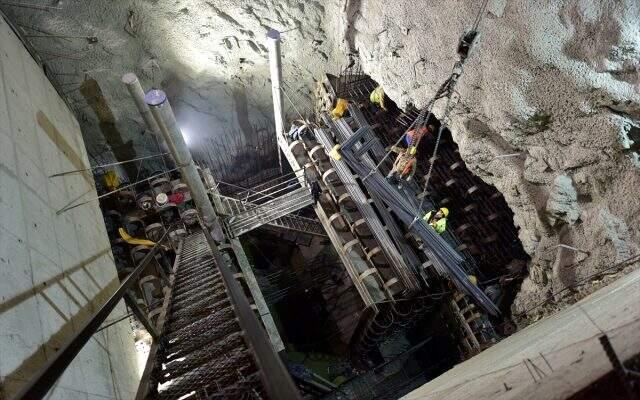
{"x": 107, "y": 165}
{"x": 69, "y": 206}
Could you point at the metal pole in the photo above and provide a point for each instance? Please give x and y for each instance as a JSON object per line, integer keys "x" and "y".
{"x": 137, "y": 93}
{"x": 278, "y": 384}
{"x": 75, "y": 171}
{"x": 273, "y": 45}
{"x": 168, "y": 126}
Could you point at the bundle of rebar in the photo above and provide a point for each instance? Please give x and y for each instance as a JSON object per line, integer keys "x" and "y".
{"x": 444, "y": 258}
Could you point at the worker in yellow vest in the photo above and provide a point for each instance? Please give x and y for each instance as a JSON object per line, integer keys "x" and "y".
{"x": 377, "y": 97}
{"x": 437, "y": 220}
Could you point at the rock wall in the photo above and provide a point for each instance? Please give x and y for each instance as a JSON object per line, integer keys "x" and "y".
{"x": 554, "y": 84}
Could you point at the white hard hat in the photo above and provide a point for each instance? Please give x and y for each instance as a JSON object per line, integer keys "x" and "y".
{"x": 162, "y": 199}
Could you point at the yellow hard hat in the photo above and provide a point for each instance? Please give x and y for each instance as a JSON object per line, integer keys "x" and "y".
{"x": 473, "y": 279}
{"x": 341, "y": 107}
{"x": 445, "y": 211}
{"x": 335, "y": 153}
{"x": 377, "y": 97}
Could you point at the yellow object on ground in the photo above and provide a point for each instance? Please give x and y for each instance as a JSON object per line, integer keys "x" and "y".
{"x": 111, "y": 180}
{"x": 335, "y": 153}
{"x": 341, "y": 107}
{"x": 377, "y": 97}
{"x": 131, "y": 240}
{"x": 473, "y": 279}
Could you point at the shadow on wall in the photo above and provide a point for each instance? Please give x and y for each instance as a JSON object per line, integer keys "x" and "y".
{"x": 122, "y": 150}
{"x": 86, "y": 306}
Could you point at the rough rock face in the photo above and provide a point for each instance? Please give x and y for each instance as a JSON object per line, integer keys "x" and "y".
{"x": 554, "y": 85}
{"x": 562, "y": 205}
{"x": 557, "y": 84}
{"x": 210, "y": 57}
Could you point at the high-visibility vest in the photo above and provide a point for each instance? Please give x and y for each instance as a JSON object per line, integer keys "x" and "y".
{"x": 439, "y": 226}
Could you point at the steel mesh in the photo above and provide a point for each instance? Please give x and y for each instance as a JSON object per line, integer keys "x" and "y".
{"x": 202, "y": 353}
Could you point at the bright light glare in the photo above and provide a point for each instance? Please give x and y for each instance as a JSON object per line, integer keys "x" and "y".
{"x": 186, "y": 136}
{"x": 142, "y": 353}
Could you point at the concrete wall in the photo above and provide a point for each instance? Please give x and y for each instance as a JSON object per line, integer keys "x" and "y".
{"x": 54, "y": 270}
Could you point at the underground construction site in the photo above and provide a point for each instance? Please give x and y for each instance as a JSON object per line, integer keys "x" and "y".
{"x": 323, "y": 200}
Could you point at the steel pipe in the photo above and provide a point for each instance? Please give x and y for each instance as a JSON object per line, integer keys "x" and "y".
{"x": 168, "y": 127}
{"x": 273, "y": 46}
{"x": 137, "y": 93}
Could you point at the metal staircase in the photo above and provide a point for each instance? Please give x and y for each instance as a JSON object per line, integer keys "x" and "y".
{"x": 254, "y": 216}
{"x": 202, "y": 348}
{"x": 230, "y": 206}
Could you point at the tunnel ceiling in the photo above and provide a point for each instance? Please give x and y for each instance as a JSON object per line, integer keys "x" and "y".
{"x": 553, "y": 86}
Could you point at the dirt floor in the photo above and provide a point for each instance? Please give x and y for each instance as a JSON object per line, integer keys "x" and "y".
{"x": 553, "y": 358}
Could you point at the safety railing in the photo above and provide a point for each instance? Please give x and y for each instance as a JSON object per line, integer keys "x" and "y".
{"x": 237, "y": 204}
{"x": 268, "y": 190}
{"x": 43, "y": 380}
{"x": 272, "y": 210}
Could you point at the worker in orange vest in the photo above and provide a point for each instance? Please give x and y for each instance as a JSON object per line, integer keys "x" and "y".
{"x": 412, "y": 138}
{"x": 404, "y": 167}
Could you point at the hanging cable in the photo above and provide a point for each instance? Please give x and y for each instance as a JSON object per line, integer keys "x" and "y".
{"x": 432, "y": 161}
{"x": 107, "y": 165}
{"x": 70, "y": 206}
{"x": 446, "y": 89}
{"x": 480, "y": 15}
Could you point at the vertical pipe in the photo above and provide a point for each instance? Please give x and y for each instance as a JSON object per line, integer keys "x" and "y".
{"x": 275, "y": 68}
{"x": 168, "y": 127}
{"x": 137, "y": 93}
{"x": 273, "y": 45}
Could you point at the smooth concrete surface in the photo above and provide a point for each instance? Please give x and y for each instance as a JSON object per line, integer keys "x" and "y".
{"x": 54, "y": 270}
{"x": 553, "y": 358}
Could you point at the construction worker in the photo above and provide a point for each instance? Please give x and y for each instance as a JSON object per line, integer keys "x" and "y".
{"x": 340, "y": 109}
{"x": 405, "y": 164}
{"x": 316, "y": 191}
{"x": 377, "y": 97}
{"x": 437, "y": 220}
{"x": 404, "y": 167}
{"x": 412, "y": 138}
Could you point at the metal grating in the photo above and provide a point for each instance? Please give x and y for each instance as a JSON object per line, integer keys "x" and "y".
{"x": 202, "y": 353}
